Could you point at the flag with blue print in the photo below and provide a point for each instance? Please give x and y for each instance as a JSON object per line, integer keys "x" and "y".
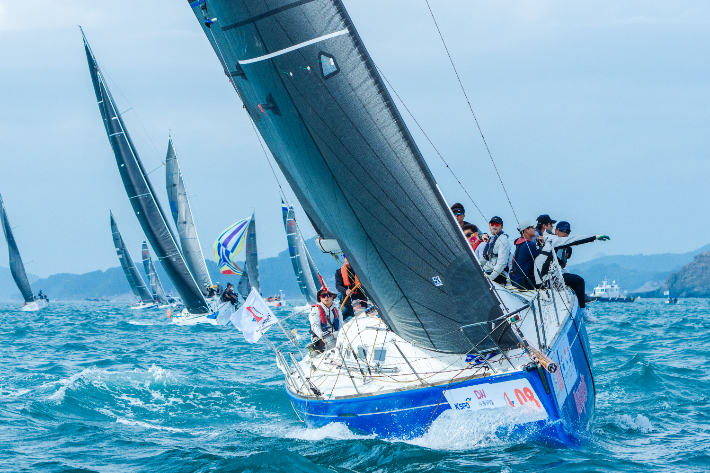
{"x": 229, "y": 244}
{"x": 254, "y": 317}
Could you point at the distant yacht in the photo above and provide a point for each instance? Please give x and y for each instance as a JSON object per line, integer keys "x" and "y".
{"x": 134, "y": 278}
{"x": 17, "y": 268}
{"x": 606, "y": 292}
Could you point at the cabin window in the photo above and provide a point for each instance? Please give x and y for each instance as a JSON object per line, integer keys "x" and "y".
{"x": 380, "y": 354}
{"x": 328, "y": 65}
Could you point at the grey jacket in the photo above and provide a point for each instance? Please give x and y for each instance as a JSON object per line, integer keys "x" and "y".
{"x": 497, "y": 263}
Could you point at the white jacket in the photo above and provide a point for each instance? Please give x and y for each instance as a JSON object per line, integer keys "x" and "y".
{"x": 498, "y": 262}
{"x": 314, "y": 319}
{"x": 553, "y": 243}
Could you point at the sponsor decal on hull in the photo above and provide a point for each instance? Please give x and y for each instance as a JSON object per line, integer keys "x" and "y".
{"x": 512, "y": 394}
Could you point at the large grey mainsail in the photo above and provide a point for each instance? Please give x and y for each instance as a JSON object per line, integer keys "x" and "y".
{"x": 320, "y": 105}
{"x": 252, "y": 257}
{"x": 155, "y": 285}
{"x": 142, "y": 197}
{"x": 182, "y": 215}
{"x": 16, "y": 267}
{"x": 299, "y": 256}
{"x": 129, "y": 268}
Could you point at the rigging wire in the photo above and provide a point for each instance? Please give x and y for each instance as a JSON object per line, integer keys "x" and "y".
{"x": 430, "y": 142}
{"x": 470, "y": 107}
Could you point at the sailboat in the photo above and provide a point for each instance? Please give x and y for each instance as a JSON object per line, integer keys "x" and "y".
{"x": 305, "y": 269}
{"x": 252, "y": 257}
{"x": 184, "y": 222}
{"x": 133, "y": 277}
{"x": 146, "y": 206}
{"x": 440, "y": 338}
{"x": 17, "y": 268}
{"x": 155, "y": 285}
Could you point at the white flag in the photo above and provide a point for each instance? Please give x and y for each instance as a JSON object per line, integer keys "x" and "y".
{"x": 254, "y": 317}
{"x": 667, "y": 293}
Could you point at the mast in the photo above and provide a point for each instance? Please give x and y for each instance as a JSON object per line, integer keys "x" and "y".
{"x": 312, "y": 90}
{"x": 182, "y": 215}
{"x": 142, "y": 197}
{"x": 129, "y": 268}
{"x": 155, "y": 285}
{"x": 17, "y": 268}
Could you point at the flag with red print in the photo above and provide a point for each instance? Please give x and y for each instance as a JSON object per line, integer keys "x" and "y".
{"x": 254, "y": 317}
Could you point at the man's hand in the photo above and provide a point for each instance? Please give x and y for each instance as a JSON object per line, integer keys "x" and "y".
{"x": 484, "y": 237}
{"x": 602, "y": 238}
{"x": 349, "y": 291}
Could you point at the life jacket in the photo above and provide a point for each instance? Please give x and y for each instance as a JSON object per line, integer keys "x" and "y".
{"x": 325, "y": 323}
{"x": 346, "y": 278}
{"x": 488, "y": 252}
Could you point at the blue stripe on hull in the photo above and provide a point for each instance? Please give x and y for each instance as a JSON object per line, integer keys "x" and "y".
{"x": 407, "y": 414}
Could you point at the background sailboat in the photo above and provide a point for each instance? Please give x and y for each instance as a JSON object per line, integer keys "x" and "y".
{"x": 182, "y": 215}
{"x": 252, "y": 257}
{"x": 129, "y": 269}
{"x": 17, "y": 268}
{"x": 143, "y": 199}
{"x": 155, "y": 285}
{"x": 306, "y": 272}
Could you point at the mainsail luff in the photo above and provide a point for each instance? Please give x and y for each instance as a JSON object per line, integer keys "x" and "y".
{"x": 142, "y": 197}
{"x": 252, "y": 257}
{"x": 17, "y": 268}
{"x": 300, "y": 259}
{"x": 129, "y": 268}
{"x": 318, "y": 101}
{"x": 182, "y": 215}
{"x": 155, "y": 285}
{"x": 244, "y": 287}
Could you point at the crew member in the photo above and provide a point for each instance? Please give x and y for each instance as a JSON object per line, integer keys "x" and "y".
{"x": 526, "y": 250}
{"x": 459, "y": 213}
{"x": 325, "y": 320}
{"x": 554, "y": 243}
{"x": 348, "y": 285}
{"x": 544, "y": 225}
{"x": 496, "y": 252}
{"x": 229, "y": 295}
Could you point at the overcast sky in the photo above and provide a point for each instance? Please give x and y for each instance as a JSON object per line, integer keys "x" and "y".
{"x": 594, "y": 113}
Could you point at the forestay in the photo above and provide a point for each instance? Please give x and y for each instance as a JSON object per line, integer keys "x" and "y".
{"x": 16, "y": 267}
{"x": 318, "y": 101}
{"x": 129, "y": 268}
{"x": 142, "y": 196}
{"x": 182, "y": 215}
{"x": 299, "y": 256}
{"x": 155, "y": 285}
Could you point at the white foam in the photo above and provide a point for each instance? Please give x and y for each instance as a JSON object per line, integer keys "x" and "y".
{"x": 467, "y": 430}
{"x": 85, "y": 374}
{"x": 142, "y": 322}
{"x": 10, "y": 393}
{"x": 640, "y": 423}
{"x": 146, "y": 425}
{"x": 335, "y": 431}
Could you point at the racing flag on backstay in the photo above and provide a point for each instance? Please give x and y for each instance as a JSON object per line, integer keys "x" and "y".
{"x": 254, "y": 317}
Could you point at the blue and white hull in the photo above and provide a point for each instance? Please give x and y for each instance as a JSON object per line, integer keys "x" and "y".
{"x": 556, "y": 407}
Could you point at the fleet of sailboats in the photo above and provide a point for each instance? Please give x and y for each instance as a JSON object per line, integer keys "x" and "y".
{"x": 438, "y": 336}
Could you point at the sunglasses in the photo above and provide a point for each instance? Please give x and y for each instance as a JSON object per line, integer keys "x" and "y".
{"x": 326, "y": 296}
{"x": 458, "y": 212}
{"x": 566, "y": 232}
{"x": 468, "y": 235}
{"x": 494, "y": 224}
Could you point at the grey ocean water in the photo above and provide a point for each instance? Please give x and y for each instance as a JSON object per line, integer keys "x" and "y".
{"x": 98, "y": 387}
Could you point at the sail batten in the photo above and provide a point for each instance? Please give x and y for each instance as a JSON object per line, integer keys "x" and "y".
{"x": 333, "y": 129}
{"x": 129, "y": 268}
{"x": 184, "y": 221}
{"x": 142, "y": 196}
{"x": 17, "y": 268}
